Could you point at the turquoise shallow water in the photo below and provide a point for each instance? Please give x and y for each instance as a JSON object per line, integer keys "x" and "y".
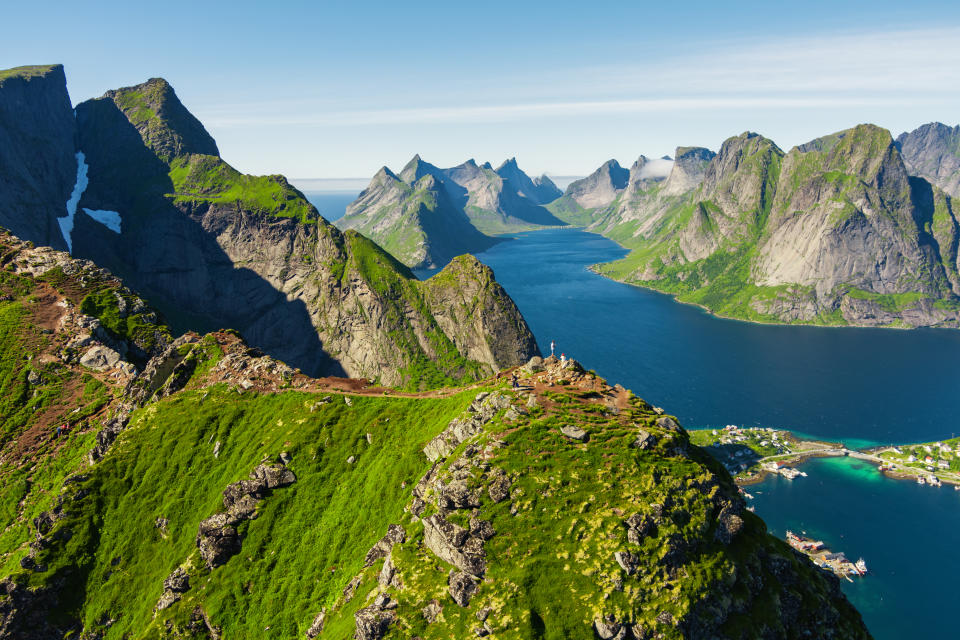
{"x": 904, "y": 531}
{"x": 861, "y": 386}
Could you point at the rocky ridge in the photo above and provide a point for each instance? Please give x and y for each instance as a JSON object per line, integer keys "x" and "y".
{"x": 214, "y": 248}
{"x": 467, "y": 204}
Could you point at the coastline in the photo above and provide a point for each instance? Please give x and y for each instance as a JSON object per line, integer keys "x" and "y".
{"x": 870, "y": 454}
{"x": 770, "y": 323}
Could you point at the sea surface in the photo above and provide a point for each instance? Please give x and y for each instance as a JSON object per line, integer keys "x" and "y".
{"x": 331, "y": 204}
{"x": 855, "y": 385}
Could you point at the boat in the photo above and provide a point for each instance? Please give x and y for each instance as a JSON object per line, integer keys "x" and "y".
{"x": 861, "y": 566}
{"x": 920, "y": 480}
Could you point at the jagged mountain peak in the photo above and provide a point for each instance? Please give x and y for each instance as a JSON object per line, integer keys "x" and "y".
{"x": 540, "y": 190}
{"x": 601, "y": 187}
{"x": 164, "y": 124}
{"x": 383, "y": 173}
{"x": 416, "y": 168}
{"x": 38, "y": 163}
{"x": 932, "y": 151}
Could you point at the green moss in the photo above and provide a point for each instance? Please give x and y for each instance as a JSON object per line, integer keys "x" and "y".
{"x": 200, "y": 178}
{"x": 136, "y": 324}
{"x": 27, "y": 72}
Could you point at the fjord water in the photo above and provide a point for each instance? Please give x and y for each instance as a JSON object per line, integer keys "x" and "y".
{"x": 874, "y": 385}
{"x": 856, "y": 385}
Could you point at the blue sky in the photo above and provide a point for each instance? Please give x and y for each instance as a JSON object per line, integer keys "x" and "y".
{"x": 333, "y": 90}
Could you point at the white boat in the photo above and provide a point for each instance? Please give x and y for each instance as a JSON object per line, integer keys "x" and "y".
{"x": 861, "y": 566}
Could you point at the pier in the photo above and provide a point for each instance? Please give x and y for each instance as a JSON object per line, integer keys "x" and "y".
{"x": 826, "y": 559}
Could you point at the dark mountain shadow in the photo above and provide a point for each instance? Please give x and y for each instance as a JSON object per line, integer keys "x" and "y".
{"x": 168, "y": 256}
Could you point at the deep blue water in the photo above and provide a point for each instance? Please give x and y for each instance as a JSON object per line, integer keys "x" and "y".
{"x": 331, "y": 204}
{"x": 875, "y": 385}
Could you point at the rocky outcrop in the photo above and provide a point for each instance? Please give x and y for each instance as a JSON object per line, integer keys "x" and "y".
{"x": 38, "y": 163}
{"x": 601, "y": 187}
{"x": 513, "y": 498}
{"x": 932, "y": 152}
{"x": 480, "y": 412}
{"x": 217, "y": 537}
{"x": 689, "y": 167}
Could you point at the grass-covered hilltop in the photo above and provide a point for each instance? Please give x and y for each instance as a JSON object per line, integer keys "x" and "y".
{"x": 192, "y": 487}
{"x": 135, "y": 183}
{"x": 836, "y": 231}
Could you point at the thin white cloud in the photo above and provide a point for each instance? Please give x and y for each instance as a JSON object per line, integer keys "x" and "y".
{"x": 656, "y": 168}
{"x": 515, "y": 112}
{"x": 826, "y": 71}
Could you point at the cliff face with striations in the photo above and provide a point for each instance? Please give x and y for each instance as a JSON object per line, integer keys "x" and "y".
{"x": 205, "y": 490}
{"x": 213, "y": 248}
{"x": 38, "y": 165}
{"x": 933, "y": 152}
{"x": 835, "y": 231}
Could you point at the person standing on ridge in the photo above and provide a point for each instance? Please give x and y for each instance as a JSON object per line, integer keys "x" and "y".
{"x": 563, "y": 358}
{"x": 553, "y": 345}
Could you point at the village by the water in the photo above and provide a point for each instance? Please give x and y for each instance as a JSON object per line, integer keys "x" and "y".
{"x": 750, "y": 453}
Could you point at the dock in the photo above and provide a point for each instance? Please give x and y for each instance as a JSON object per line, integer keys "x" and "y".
{"x": 817, "y": 551}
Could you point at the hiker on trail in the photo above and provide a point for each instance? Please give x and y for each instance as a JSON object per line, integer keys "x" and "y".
{"x": 60, "y": 429}
{"x": 513, "y": 380}
{"x": 553, "y": 345}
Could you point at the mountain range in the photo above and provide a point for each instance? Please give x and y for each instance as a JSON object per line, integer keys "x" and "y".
{"x": 425, "y": 215}
{"x": 851, "y": 228}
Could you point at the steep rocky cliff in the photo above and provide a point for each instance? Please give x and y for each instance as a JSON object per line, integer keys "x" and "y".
{"x": 214, "y": 492}
{"x": 540, "y": 190}
{"x": 600, "y": 188}
{"x": 214, "y": 248}
{"x": 417, "y": 222}
{"x": 933, "y": 152}
{"x": 833, "y": 232}
{"x": 38, "y": 164}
